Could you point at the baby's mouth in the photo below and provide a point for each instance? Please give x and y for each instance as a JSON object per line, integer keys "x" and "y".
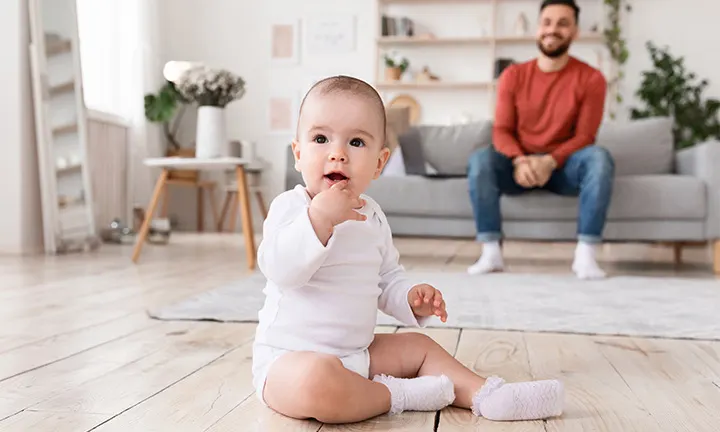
{"x": 336, "y": 176}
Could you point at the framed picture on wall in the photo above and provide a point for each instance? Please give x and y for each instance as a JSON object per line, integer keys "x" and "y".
{"x": 329, "y": 34}
{"x": 283, "y": 113}
{"x": 285, "y": 43}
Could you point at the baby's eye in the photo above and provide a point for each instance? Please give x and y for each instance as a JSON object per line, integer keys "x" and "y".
{"x": 320, "y": 139}
{"x": 357, "y": 142}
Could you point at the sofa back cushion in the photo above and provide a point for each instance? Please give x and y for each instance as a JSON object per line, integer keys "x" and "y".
{"x": 448, "y": 147}
{"x": 639, "y": 147}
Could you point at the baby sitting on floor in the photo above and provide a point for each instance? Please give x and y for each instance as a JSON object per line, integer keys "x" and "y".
{"x": 328, "y": 256}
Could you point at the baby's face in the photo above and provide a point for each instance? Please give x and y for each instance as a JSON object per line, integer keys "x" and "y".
{"x": 340, "y": 137}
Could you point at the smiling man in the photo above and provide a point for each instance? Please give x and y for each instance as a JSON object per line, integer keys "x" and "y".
{"x": 548, "y": 112}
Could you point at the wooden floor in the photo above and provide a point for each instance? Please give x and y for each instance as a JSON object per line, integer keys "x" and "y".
{"x": 78, "y": 353}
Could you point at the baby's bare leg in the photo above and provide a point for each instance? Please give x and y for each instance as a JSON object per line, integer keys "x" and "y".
{"x": 408, "y": 355}
{"x": 306, "y": 385}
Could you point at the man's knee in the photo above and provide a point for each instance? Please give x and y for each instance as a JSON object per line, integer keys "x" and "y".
{"x": 600, "y": 162}
{"x": 481, "y": 162}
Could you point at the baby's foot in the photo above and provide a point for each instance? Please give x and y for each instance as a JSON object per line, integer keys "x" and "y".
{"x": 426, "y": 393}
{"x": 533, "y": 400}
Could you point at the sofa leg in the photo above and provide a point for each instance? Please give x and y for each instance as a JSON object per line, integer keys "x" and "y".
{"x": 716, "y": 256}
{"x": 677, "y": 253}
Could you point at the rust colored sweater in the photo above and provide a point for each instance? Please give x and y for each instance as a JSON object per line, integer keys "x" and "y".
{"x": 548, "y": 112}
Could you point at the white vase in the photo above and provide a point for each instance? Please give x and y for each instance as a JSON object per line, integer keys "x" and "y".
{"x": 211, "y": 136}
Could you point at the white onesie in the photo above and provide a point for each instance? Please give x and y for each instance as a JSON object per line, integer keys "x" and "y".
{"x": 325, "y": 298}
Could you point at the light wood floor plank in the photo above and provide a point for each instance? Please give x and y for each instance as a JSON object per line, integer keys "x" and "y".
{"x": 195, "y": 403}
{"x": 490, "y": 353}
{"x": 43, "y": 421}
{"x": 597, "y": 397}
{"x": 657, "y": 380}
{"x": 252, "y": 416}
{"x": 138, "y": 380}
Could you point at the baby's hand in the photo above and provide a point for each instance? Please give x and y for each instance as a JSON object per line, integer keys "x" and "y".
{"x": 333, "y": 207}
{"x": 425, "y": 300}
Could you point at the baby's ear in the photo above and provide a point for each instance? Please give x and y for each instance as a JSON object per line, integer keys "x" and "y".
{"x": 382, "y": 160}
{"x": 296, "y": 153}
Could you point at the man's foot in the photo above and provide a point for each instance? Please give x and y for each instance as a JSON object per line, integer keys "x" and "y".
{"x": 490, "y": 261}
{"x": 532, "y": 400}
{"x": 585, "y": 266}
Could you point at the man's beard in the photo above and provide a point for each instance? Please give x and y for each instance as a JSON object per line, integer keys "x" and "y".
{"x": 557, "y": 51}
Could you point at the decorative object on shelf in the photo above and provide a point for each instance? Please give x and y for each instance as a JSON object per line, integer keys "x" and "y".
{"x": 405, "y": 100}
{"x": 501, "y": 64}
{"x": 285, "y": 43}
{"x": 617, "y": 46}
{"x": 426, "y": 75}
{"x": 595, "y": 28}
{"x": 330, "y": 35}
{"x": 395, "y": 66}
{"x": 397, "y": 26}
{"x": 670, "y": 90}
{"x": 212, "y": 89}
{"x": 521, "y": 25}
{"x": 117, "y": 232}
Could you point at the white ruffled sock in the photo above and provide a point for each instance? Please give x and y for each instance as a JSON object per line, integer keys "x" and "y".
{"x": 532, "y": 400}
{"x": 490, "y": 260}
{"x": 425, "y": 393}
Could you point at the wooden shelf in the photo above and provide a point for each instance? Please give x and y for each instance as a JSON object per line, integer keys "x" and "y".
{"x": 62, "y": 88}
{"x": 58, "y": 47}
{"x": 448, "y": 85}
{"x": 591, "y": 37}
{"x": 69, "y": 169}
{"x": 421, "y": 40}
{"x": 64, "y": 129}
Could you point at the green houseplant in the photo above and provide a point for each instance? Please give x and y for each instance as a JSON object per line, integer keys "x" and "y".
{"x": 668, "y": 89}
{"x": 166, "y": 107}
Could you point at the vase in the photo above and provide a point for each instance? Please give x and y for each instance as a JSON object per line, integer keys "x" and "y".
{"x": 393, "y": 73}
{"x": 211, "y": 136}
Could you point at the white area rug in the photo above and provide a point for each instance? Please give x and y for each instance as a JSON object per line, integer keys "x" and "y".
{"x": 631, "y": 306}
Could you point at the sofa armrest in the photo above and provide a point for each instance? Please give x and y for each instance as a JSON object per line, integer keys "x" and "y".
{"x": 292, "y": 176}
{"x": 703, "y": 161}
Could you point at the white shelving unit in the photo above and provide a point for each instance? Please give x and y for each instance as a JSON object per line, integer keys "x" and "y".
{"x": 473, "y": 36}
{"x": 61, "y": 127}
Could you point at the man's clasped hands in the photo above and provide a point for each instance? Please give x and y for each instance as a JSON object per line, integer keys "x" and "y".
{"x": 533, "y": 170}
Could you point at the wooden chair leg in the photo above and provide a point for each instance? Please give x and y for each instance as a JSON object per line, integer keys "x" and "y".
{"x": 214, "y": 206}
{"x": 233, "y": 211}
{"x": 200, "y": 213}
{"x": 165, "y": 201}
{"x": 716, "y": 256}
{"x": 261, "y": 203}
{"x": 145, "y": 228}
{"x": 223, "y": 212}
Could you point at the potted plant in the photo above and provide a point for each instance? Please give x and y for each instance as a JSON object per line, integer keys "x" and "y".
{"x": 212, "y": 90}
{"x": 395, "y": 66}
{"x": 670, "y": 90}
{"x": 167, "y": 108}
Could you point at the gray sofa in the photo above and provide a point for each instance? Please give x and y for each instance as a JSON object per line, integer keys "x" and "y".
{"x": 659, "y": 195}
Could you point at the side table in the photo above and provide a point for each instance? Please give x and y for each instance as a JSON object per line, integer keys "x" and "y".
{"x": 218, "y": 164}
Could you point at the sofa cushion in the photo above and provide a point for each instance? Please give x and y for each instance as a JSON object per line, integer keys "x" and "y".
{"x": 643, "y": 146}
{"x": 448, "y": 147}
{"x": 658, "y": 197}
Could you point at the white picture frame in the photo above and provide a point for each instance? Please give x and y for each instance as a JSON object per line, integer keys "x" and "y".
{"x": 285, "y": 42}
{"x": 330, "y": 35}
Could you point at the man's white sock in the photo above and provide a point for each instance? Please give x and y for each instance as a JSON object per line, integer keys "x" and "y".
{"x": 491, "y": 259}
{"x": 585, "y": 266}
{"x": 532, "y": 400}
{"x": 425, "y": 393}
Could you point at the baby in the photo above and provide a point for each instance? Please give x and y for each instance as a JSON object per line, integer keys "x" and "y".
{"x": 328, "y": 256}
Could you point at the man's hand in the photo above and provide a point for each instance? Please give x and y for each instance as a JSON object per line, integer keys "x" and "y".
{"x": 333, "y": 207}
{"x": 425, "y": 300}
{"x": 543, "y": 167}
{"x": 524, "y": 174}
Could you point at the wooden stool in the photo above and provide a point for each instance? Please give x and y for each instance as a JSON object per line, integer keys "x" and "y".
{"x": 201, "y": 186}
{"x": 231, "y": 194}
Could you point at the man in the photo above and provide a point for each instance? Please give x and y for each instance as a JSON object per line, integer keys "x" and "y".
{"x": 549, "y": 110}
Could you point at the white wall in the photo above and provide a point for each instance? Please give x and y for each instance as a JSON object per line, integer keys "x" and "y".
{"x": 236, "y": 35}
{"x": 21, "y": 218}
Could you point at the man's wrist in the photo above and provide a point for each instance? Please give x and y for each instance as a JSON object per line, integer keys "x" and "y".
{"x": 517, "y": 160}
{"x": 551, "y": 161}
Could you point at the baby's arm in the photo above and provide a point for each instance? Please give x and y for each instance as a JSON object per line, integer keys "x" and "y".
{"x": 290, "y": 251}
{"x": 394, "y": 283}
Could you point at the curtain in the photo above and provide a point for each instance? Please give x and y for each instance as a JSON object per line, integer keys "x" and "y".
{"x": 120, "y": 59}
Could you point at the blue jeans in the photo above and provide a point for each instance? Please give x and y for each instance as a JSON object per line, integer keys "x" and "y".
{"x": 588, "y": 173}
